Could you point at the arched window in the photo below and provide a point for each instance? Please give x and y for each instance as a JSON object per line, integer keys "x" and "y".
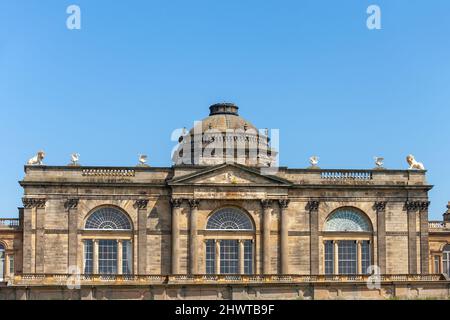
{"x": 347, "y": 254}
{"x": 229, "y": 219}
{"x": 226, "y": 254}
{"x": 446, "y": 259}
{"x": 347, "y": 220}
{"x": 108, "y": 218}
{"x": 103, "y": 255}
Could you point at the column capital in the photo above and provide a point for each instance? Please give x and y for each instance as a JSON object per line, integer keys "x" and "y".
{"x": 380, "y": 206}
{"x": 266, "y": 203}
{"x": 284, "y": 203}
{"x": 193, "y": 203}
{"x": 423, "y": 205}
{"x": 313, "y": 205}
{"x": 176, "y": 203}
{"x": 34, "y": 202}
{"x": 412, "y": 205}
{"x": 141, "y": 203}
{"x": 71, "y": 203}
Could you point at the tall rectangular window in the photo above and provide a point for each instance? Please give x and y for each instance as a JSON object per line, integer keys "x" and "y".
{"x": 365, "y": 256}
{"x": 210, "y": 256}
{"x": 329, "y": 257}
{"x": 347, "y": 254}
{"x": 11, "y": 265}
{"x": 446, "y": 261}
{"x": 107, "y": 256}
{"x": 127, "y": 257}
{"x": 229, "y": 257}
{"x": 437, "y": 265}
{"x": 88, "y": 257}
{"x": 248, "y": 257}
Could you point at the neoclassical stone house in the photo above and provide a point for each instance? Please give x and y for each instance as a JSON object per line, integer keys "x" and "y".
{"x": 216, "y": 227}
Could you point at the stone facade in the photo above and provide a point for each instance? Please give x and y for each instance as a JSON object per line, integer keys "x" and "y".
{"x": 169, "y": 208}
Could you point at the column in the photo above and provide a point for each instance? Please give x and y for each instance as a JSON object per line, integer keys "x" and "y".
{"x": 241, "y": 256}
{"x": 313, "y": 208}
{"x": 176, "y": 208}
{"x": 119, "y": 256}
{"x": 217, "y": 256}
{"x": 411, "y": 208}
{"x": 28, "y": 235}
{"x": 380, "y": 207}
{"x": 40, "y": 235}
{"x": 336, "y": 257}
{"x": 359, "y": 257}
{"x": 267, "y": 212}
{"x": 6, "y": 266}
{"x": 141, "y": 206}
{"x": 193, "y": 247}
{"x": 424, "y": 245}
{"x": 95, "y": 256}
{"x": 71, "y": 206}
{"x": 284, "y": 236}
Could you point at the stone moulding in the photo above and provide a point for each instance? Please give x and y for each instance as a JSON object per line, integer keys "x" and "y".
{"x": 34, "y": 202}
{"x": 109, "y": 172}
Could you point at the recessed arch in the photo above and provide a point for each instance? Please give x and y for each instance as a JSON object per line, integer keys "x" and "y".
{"x": 230, "y": 218}
{"x": 108, "y": 218}
{"x": 348, "y": 219}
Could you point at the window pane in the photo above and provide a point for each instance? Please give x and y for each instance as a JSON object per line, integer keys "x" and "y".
{"x": 446, "y": 261}
{"x": 88, "y": 257}
{"x": 347, "y": 254}
{"x": 126, "y": 257}
{"x": 248, "y": 257}
{"x": 107, "y": 256}
{"x": 210, "y": 257}
{"x": 436, "y": 265}
{"x": 229, "y": 257}
{"x": 365, "y": 256}
{"x": 329, "y": 257}
{"x": 11, "y": 264}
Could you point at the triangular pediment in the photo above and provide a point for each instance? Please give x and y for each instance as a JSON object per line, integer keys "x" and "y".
{"x": 229, "y": 174}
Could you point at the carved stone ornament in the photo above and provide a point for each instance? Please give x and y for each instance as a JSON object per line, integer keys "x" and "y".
{"x": 141, "y": 204}
{"x": 380, "y": 206}
{"x": 193, "y": 203}
{"x": 37, "y": 159}
{"x": 71, "y": 203}
{"x": 176, "y": 203}
{"x": 284, "y": 203}
{"x": 312, "y": 205}
{"x": 33, "y": 203}
{"x": 266, "y": 203}
{"x": 413, "y": 164}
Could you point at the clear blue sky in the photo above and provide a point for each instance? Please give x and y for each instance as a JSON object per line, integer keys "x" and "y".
{"x": 139, "y": 69}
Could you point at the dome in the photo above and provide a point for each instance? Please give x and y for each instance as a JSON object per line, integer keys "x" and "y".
{"x": 222, "y": 117}
{"x": 222, "y": 137}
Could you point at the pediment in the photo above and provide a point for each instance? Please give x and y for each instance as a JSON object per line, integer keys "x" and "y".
{"x": 229, "y": 174}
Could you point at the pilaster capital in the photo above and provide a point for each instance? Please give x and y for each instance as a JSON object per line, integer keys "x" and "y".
{"x": 71, "y": 203}
{"x": 193, "y": 203}
{"x": 423, "y": 205}
{"x": 380, "y": 206}
{"x": 141, "y": 203}
{"x": 266, "y": 203}
{"x": 34, "y": 202}
{"x": 284, "y": 203}
{"x": 412, "y": 205}
{"x": 176, "y": 203}
{"x": 313, "y": 205}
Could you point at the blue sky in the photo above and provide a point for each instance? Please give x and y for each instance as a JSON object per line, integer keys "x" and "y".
{"x": 139, "y": 69}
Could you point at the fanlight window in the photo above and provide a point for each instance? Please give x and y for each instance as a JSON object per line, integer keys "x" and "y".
{"x": 108, "y": 218}
{"x": 229, "y": 219}
{"x": 347, "y": 220}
